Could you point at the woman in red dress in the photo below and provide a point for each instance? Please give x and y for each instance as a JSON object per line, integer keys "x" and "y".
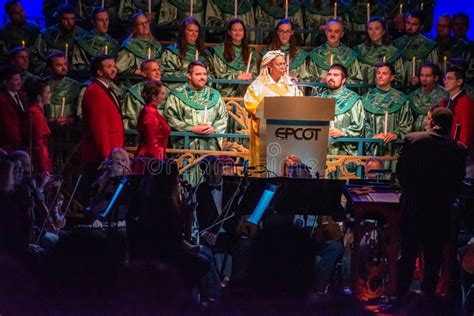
{"x": 35, "y": 126}
{"x": 152, "y": 126}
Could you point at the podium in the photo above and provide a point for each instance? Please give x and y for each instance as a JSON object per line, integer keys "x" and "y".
{"x": 294, "y": 125}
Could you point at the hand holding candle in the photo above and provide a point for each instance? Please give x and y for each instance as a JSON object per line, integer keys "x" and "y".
{"x": 63, "y": 104}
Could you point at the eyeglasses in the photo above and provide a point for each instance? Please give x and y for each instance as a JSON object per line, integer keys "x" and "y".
{"x": 285, "y": 32}
{"x": 143, "y": 23}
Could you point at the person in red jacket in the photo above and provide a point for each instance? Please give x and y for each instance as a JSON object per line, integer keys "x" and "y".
{"x": 462, "y": 107}
{"x": 102, "y": 121}
{"x": 152, "y": 126}
{"x": 11, "y": 109}
{"x": 35, "y": 127}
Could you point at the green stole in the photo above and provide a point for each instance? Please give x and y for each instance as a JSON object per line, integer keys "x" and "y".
{"x": 139, "y": 47}
{"x": 94, "y": 44}
{"x": 199, "y": 100}
{"x": 237, "y": 63}
{"x": 377, "y": 101}
{"x": 190, "y": 53}
{"x": 342, "y": 54}
{"x": 417, "y": 46}
{"x": 345, "y": 99}
{"x": 373, "y": 55}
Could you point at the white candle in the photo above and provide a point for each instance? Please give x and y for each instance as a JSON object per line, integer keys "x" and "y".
{"x": 331, "y": 124}
{"x": 23, "y": 43}
{"x": 445, "y": 64}
{"x": 66, "y": 51}
{"x": 149, "y": 53}
{"x": 149, "y": 6}
{"x": 413, "y": 67}
{"x": 335, "y": 9}
{"x": 197, "y": 55}
{"x": 286, "y": 9}
{"x": 248, "y": 62}
{"x": 331, "y": 59}
{"x": 106, "y": 50}
{"x": 63, "y": 104}
{"x": 190, "y": 7}
{"x": 103, "y": 4}
{"x": 401, "y": 8}
{"x": 384, "y": 59}
{"x": 235, "y": 8}
{"x": 288, "y": 64}
{"x": 368, "y": 12}
{"x": 385, "y": 127}
{"x": 421, "y": 6}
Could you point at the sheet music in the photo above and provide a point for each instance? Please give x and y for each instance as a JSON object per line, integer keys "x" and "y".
{"x": 384, "y": 197}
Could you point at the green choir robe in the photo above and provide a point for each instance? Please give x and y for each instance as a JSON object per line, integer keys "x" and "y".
{"x": 134, "y": 51}
{"x": 88, "y": 46}
{"x": 187, "y": 107}
{"x": 453, "y": 48}
{"x": 224, "y": 69}
{"x": 349, "y": 119}
{"x": 298, "y": 65}
{"x": 400, "y": 118}
{"x": 320, "y": 59}
{"x": 127, "y": 8}
{"x": 315, "y": 16}
{"x": 422, "y": 48}
{"x": 358, "y": 13}
{"x": 172, "y": 12}
{"x": 14, "y": 35}
{"x": 219, "y": 12}
{"x": 174, "y": 67}
{"x": 51, "y": 39}
{"x": 370, "y": 55}
{"x": 66, "y": 88}
{"x": 133, "y": 103}
{"x": 420, "y": 103}
{"x": 268, "y": 15}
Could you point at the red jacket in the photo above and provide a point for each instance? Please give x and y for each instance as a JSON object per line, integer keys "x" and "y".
{"x": 463, "y": 114}
{"x": 36, "y": 127}
{"x": 102, "y": 123}
{"x": 10, "y": 122}
{"x": 154, "y": 132}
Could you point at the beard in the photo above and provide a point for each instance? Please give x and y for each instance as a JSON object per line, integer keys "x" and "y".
{"x": 332, "y": 85}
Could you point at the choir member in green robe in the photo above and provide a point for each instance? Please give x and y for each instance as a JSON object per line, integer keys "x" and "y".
{"x": 140, "y": 45}
{"x": 189, "y": 47}
{"x": 218, "y": 12}
{"x": 268, "y": 13}
{"x": 416, "y": 48}
{"x": 333, "y": 51}
{"x": 449, "y": 46}
{"x": 387, "y": 113}
{"x": 62, "y": 109}
{"x": 173, "y": 11}
{"x": 350, "y": 116}
{"x": 93, "y": 43}
{"x": 231, "y": 59}
{"x": 58, "y": 37}
{"x": 378, "y": 49}
{"x": 284, "y": 40}
{"x": 133, "y": 101}
{"x": 18, "y": 31}
{"x": 429, "y": 94}
{"x": 195, "y": 107}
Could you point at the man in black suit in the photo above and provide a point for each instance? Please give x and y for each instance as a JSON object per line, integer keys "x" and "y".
{"x": 212, "y": 196}
{"x": 431, "y": 169}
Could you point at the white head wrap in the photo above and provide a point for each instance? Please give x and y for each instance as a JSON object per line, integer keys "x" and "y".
{"x": 267, "y": 59}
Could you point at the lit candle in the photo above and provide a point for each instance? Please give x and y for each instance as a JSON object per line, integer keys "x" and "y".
{"x": 23, "y": 43}
{"x": 335, "y": 9}
{"x": 106, "y": 50}
{"x": 445, "y": 64}
{"x": 368, "y": 12}
{"x": 384, "y": 59}
{"x": 401, "y": 8}
{"x": 421, "y": 6}
{"x": 149, "y": 6}
{"x": 413, "y": 67}
{"x": 235, "y": 10}
{"x": 288, "y": 64}
{"x": 331, "y": 124}
{"x": 196, "y": 57}
{"x": 190, "y": 7}
{"x": 149, "y": 53}
{"x": 103, "y": 4}
{"x": 63, "y": 104}
{"x": 385, "y": 127}
{"x": 286, "y": 9}
{"x": 66, "y": 51}
{"x": 331, "y": 59}
{"x": 248, "y": 62}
